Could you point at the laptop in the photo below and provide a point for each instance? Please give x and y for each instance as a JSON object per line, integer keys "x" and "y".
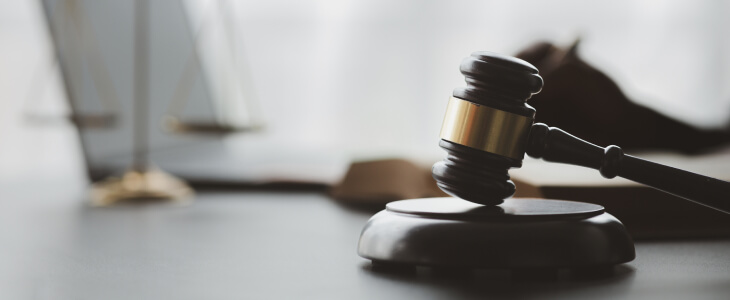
{"x": 94, "y": 43}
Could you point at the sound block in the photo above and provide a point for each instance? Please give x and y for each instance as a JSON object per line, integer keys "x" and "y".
{"x": 520, "y": 233}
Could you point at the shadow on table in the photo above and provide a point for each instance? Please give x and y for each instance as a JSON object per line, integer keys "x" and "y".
{"x": 560, "y": 284}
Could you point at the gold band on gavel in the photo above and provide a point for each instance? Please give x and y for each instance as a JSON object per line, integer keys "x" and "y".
{"x": 485, "y": 128}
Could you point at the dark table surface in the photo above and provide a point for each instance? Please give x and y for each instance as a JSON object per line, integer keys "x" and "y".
{"x": 249, "y": 244}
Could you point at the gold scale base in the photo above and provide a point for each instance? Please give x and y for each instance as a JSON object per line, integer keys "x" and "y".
{"x": 151, "y": 185}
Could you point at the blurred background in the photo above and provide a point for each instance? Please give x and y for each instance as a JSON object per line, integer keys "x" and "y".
{"x": 327, "y": 82}
{"x": 346, "y": 99}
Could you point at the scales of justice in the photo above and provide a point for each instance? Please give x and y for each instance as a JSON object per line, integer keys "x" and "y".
{"x": 487, "y": 130}
{"x": 142, "y": 181}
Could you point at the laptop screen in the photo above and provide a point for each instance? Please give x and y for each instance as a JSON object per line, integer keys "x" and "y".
{"x": 95, "y": 46}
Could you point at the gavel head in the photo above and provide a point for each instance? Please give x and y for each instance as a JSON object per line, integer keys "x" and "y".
{"x": 486, "y": 128}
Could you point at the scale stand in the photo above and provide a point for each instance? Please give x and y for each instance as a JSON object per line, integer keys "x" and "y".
{"x": 142, "y": 182}
{"x": 150, "y": 185}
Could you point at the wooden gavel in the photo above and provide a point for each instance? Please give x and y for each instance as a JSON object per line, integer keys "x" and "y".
{"x": 489, "y": 127}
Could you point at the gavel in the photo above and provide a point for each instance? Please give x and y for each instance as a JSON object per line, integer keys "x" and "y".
{"x": 489, "y": 127}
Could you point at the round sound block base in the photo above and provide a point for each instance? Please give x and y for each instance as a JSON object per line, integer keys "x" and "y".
{"x": 518, "y": 234}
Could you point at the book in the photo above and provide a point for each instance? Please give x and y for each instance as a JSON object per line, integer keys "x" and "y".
{"x": 647, "y": 213}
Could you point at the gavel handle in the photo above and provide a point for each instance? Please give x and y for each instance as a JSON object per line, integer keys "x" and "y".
{"x": 555, "y": 145}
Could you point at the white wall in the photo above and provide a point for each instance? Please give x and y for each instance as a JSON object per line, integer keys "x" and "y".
{"x": 374, "y": 76}
{"x": 371, "y": 78}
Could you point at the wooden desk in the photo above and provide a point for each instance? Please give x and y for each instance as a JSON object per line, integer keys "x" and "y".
{"x": 275, "y": 245}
